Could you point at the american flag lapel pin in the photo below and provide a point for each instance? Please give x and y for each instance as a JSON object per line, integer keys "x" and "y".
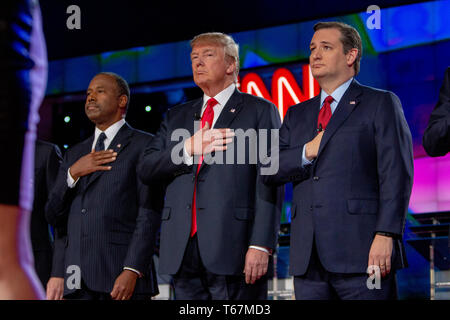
{"x": 353, "y": 102}
{"x": 233, "y": 110}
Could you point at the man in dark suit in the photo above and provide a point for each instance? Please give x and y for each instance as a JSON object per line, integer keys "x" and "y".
{"x": 218, "y": 220}
{"x": 47, "y": 159}
{"x": 436, "y": 138}
{"x": 348, "y": 153}
{"x": 111, "y": 218}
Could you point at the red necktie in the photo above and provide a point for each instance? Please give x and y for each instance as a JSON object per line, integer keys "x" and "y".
{"x": 208, "y": 116}
{"x": 325, "y": 113}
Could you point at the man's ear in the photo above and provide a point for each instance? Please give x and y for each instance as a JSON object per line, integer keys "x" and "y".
{"x": 351, "y": 56}
{"x": 123, "y": 100}
{"x": 231, "y": 66}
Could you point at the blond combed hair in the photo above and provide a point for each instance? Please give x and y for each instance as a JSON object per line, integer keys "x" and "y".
{"x": 230, "y": 47}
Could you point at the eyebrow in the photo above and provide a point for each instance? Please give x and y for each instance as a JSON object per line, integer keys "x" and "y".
{"x": 322, "y": 42}
{"x": 205, "y": 51}
{"x": 98, "y": 87}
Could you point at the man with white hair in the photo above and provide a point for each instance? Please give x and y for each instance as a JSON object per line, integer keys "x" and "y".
{"x": 219, "y": 222}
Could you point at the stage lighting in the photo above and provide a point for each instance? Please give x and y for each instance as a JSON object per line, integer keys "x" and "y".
{"x": 66, "y": 119}
{"x": 148, "y": 108}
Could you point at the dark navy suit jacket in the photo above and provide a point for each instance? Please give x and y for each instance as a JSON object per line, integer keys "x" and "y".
{"x": 234, "y": 208}
{"x": 47, "y": 158}
{"x": 111, "y": 217}
{"x": 436, "y": 138}
{"x": 360, "y": 182}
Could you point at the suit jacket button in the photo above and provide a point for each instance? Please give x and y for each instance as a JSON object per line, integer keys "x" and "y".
{"x": 188, "y": 207}
{"x": 83, "y": 210}
{"x": 316, "y": 178}
{"x": 311, "y": 208}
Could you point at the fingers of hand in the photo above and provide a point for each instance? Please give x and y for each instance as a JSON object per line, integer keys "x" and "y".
{"x": 114, "y": 292}
{"x": 255, "y": 265}
{"x": 381, "y": 262}
{"x": 221, "y": 142}
{"x": 215, "y": 134}
{"x": 254, "y": 271}
{"x": 385, "y": 266}
{"x": 103, "y": 155}
{"x": 55, "y": 289}
{"x": 120, "y": 292}
{"x": 380, "y": 254}
{"x": 247, "y": 276}
{"x": 224, "y": 132}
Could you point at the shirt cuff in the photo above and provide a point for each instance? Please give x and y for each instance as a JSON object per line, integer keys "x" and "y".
{"x": 386, "y": 234}
{"x": 187, "y": 159}
{"x": 134, "y": 270}
{"x": 260, "y": 249}
{"x": 70, "y": 181}
{"x": 305, "y": 161}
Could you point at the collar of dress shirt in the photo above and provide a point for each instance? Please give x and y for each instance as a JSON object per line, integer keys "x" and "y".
{"x": 222, "y": 98}
{"x": 110, "y": 133}
{"x": 337, "y": 94}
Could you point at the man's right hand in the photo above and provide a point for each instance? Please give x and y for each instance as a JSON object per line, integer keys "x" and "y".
{"x": 312, "y": 147}
{"x": 55, "y": 288}
{"x": 92, "y": 162}
{"x": 206, "y": 140}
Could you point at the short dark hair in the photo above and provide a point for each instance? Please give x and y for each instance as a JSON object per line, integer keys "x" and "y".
{"x": 122, "y": 85}
{"x": 350, "y": 38}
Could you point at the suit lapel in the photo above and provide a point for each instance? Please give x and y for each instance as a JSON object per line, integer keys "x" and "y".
{"x": 313, "y": 115}
{"x": 118, "y": 144}
{"x": 87, "y": 148}
{"x": 228, "y": 114}
{"x": 345, "y": 107}
{"x": 194, "y": 115}
{"x": 230, "y": 111}
{"x": 192, "y": 121}
{"x": 122, "y": 138}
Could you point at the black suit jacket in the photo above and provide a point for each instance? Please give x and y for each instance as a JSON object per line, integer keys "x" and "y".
{"x": 360, "y": 182}
{"x": 47, "y": 160}
{"x": 436, "y": 138}
{"x": 234, "y": 209}
{"x": 111, "y": 217}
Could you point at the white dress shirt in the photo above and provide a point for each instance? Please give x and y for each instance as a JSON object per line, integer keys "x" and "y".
{"x": 337, "y": 96}
{"x": 110, "y": 134}
{"x": 222, "y": 98}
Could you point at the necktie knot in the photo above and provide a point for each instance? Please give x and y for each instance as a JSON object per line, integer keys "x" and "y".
{"x": 324, "y": 114}
{"x": 100, "y": 145}
{"x": 208, "y": 114}
{"x": 211, "y": 103}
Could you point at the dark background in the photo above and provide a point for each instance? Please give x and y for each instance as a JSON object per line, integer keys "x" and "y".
{"x": 113, "y": 25}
